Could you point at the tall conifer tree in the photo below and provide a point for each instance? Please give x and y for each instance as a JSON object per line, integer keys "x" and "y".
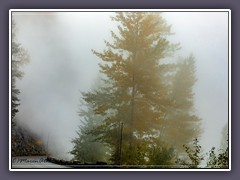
{"x": 86, "y": 148}
{"x": 183, "y": 125}
{"x": 136, "y": 95}
{"x": 20, "y": 57}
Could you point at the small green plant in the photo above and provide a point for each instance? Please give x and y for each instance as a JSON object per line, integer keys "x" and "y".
{"x": 194, "y": 154}
{"x": 218, "y": 161}
{"x": 194, "y": 157}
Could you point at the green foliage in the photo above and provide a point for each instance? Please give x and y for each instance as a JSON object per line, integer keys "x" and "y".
{"x": 220, "y": 160}
{"x": 195, "y": 153}
{"x": 212, "y": 159}
{"x": 195, "y": 157}
{"x": 86, "y": 148}
{"x": 162, "y": 155}
{"x": 223, "y": 159}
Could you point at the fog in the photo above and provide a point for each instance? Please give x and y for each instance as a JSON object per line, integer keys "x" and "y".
{"x": 62, "y": 64}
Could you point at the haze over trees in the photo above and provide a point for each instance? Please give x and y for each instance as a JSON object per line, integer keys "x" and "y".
{"x": 182, "y": 124}
{"x": 24, "y": 142}
{"x": 142, "y": 111}
{"x": 86, "y": 148}
{"x": 146, "y": 103}
{"x": 20, "y": 57}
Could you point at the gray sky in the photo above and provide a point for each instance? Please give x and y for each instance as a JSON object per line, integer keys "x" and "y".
{"x": 62, "y": 64}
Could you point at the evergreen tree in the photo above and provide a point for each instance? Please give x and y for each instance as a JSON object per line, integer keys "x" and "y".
{"x": 20, "y": 57}
{"x": 86, "y": 148}
{"x": 137, "y": 94}
{"x": 182, "y": 124}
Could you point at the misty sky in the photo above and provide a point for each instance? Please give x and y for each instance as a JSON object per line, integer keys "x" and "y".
{"x": 62, "y": 64}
